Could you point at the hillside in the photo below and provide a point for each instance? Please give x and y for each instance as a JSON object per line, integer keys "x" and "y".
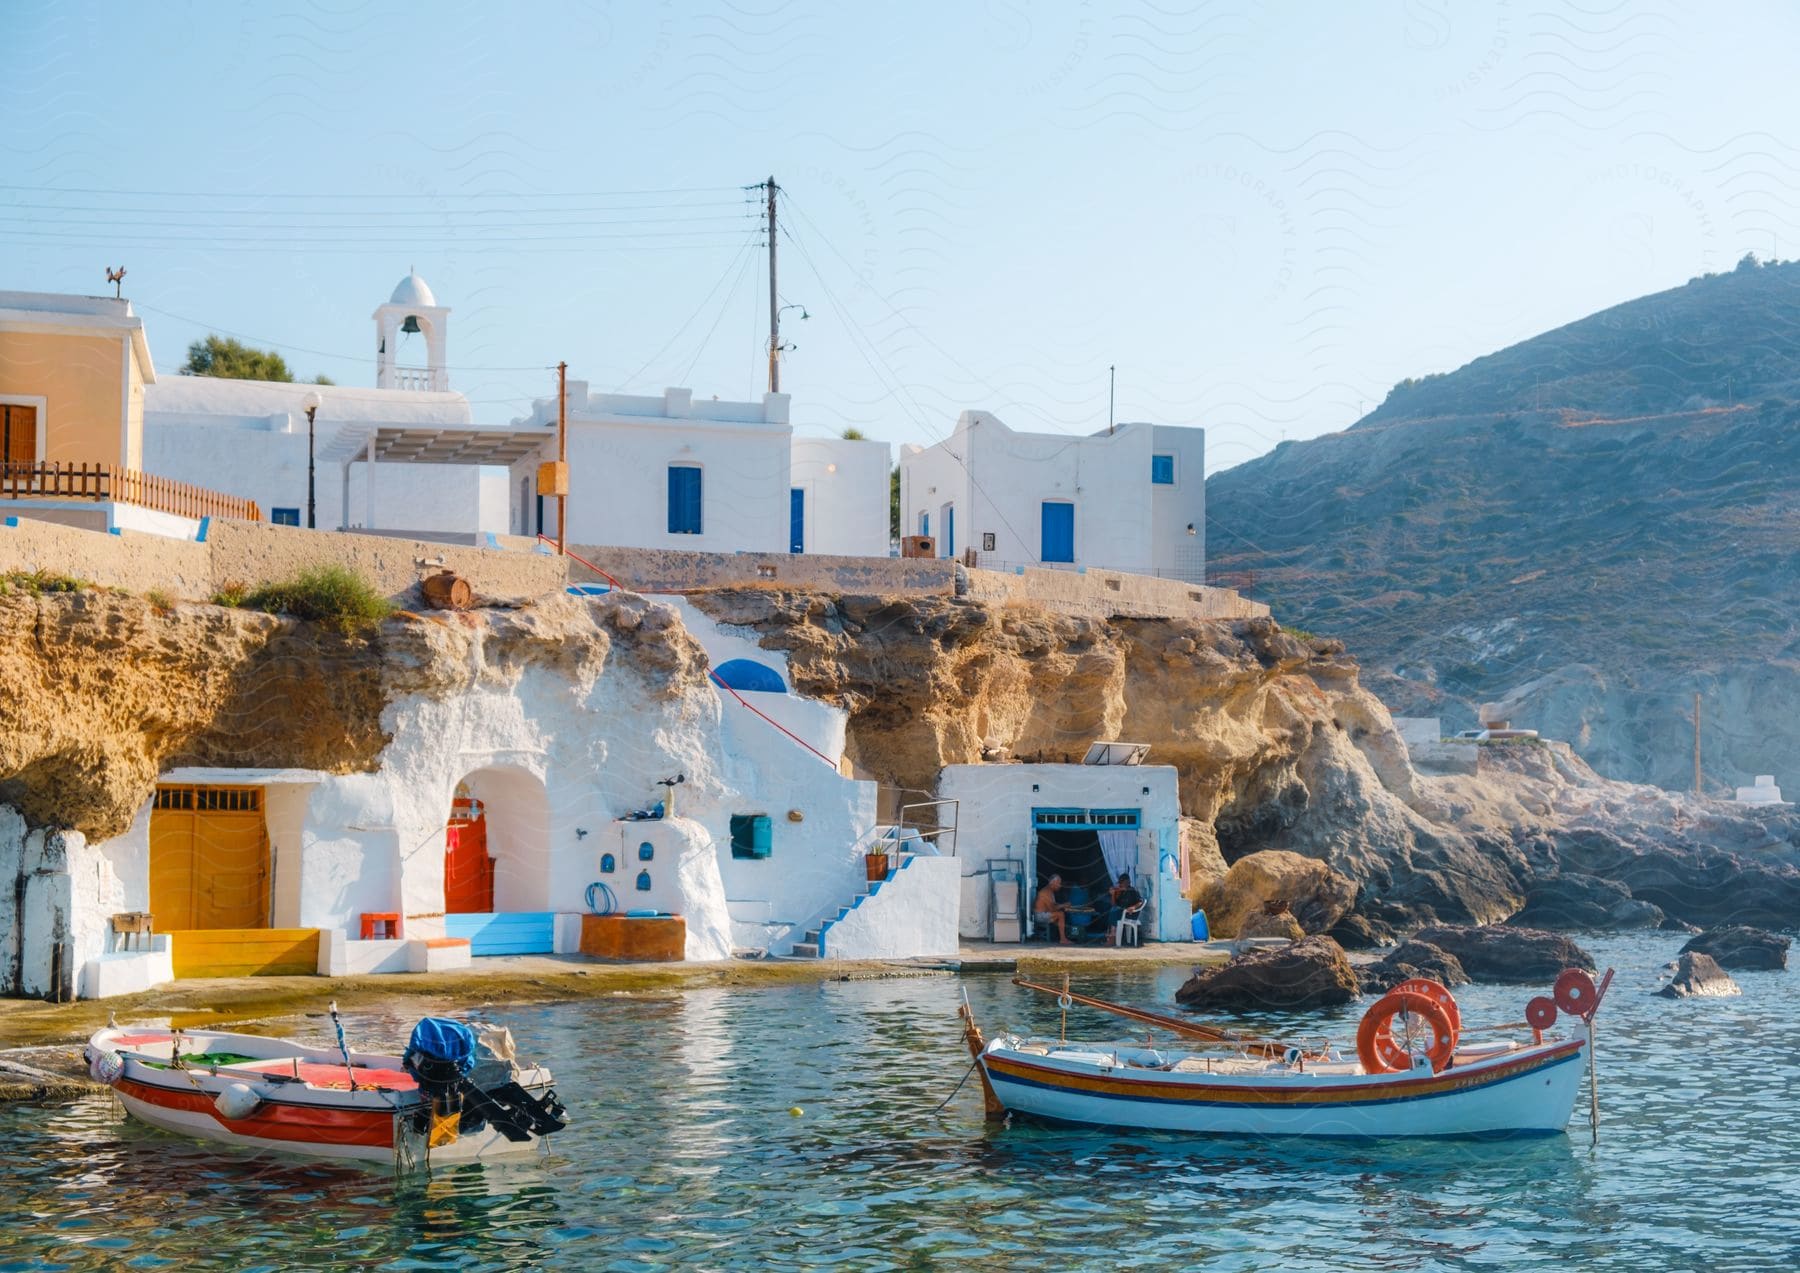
{"x": 1596, "y": 523}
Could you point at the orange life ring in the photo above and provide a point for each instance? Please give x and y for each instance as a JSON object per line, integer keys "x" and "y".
{"x": 1381, "y": 1053}
{"x": 1575, "y": 993}
{"x": 1438, "y": 991}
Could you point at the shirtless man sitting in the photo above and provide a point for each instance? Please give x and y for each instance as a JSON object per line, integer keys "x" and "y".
{"x": 1049, "y": 912}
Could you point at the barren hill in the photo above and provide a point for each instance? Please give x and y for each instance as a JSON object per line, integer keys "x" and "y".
{"x": 1595, "y": 523}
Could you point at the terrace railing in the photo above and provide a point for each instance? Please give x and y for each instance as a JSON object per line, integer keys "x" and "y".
{"x": 103, "y": 482}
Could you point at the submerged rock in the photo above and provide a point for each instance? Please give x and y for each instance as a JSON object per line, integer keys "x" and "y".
{"x": 1316, "y": 895}
{"x": 1697, "y": 976}
{"x": 1408, "y": 960}
{"x": 1572, "y": 900}
{"x": 1742, "y": 947}
{"x": 1311, "y": 973}
{"x": 1503, "y": 953}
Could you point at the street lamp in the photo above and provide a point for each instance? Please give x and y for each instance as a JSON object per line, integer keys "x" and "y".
{"x": 310, "y": 403}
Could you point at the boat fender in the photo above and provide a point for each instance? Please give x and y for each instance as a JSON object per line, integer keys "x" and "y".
{"x": 237, "y": 1101}
{"x": 105, "y": 1065}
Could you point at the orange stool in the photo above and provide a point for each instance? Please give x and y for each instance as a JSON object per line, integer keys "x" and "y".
{"x": 380, "y": 925}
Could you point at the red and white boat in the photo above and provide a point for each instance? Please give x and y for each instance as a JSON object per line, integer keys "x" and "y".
{"x": 1413, "y": 1073}
{"x": 266, "y": 1093}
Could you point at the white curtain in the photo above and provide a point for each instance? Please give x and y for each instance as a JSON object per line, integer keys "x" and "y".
{"x": 1118, "y": 846}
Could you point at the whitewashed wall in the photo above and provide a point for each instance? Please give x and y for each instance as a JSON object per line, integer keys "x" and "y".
{"x": 1174, "y": 553}
{"x": 620, "y": 448}
{"x": 846, "y": 494}
{"x": 248, "y": 438}
{"x": 999, "y": 480}
{"x": 913, "y": 913}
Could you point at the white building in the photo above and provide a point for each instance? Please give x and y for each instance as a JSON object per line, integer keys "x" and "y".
{"x": 673, "y": 471}
{"x": 249, "y": 437}
{"x": 1132, "y": 498}
{"x": 1084, "y": 822}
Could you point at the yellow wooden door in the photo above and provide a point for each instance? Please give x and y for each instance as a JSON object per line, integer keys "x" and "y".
{"x": 209, "y": 859}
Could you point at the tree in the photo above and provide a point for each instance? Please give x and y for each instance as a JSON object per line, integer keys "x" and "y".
{"x": 854, "y": 434}
{"x": 894, "y": 503}
{"x": 231, "y": 359}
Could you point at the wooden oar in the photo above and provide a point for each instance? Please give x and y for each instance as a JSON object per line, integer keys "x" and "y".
{"x": 1187, "y": 1029}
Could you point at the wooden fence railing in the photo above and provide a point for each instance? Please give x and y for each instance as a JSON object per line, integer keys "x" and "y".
{"x": 126, "y": 486}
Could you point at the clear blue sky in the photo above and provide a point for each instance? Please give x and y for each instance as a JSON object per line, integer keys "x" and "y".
{"x": 1263, "y": 214}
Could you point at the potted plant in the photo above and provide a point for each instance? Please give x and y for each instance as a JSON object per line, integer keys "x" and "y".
{"x": 876, "y": 860}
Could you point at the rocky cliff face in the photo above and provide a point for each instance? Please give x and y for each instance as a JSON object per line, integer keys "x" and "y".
{"x": 1277, "y": 742}
{"x": 100, "y": 692}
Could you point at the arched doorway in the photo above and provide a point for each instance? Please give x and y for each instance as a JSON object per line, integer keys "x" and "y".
{"x": 497, "y": 863}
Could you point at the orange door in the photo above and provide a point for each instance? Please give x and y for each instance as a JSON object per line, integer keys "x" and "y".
{"x": 18, "y": 434}
{"x": 209, "y": 859}
{"x": 468, "y": 870}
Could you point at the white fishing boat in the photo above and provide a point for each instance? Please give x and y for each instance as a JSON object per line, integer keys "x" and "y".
{"x": 452, "y": 1096}
{"x": 1413, "y": 1072}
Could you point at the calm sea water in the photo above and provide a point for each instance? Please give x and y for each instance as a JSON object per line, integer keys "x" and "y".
{"x": 684, "y": 1153}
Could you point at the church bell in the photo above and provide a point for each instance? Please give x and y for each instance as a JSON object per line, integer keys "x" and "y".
{"x": 411, "y": 324}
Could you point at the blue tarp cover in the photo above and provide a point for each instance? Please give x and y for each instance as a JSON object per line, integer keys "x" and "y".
{"x": 444, "y": 1040}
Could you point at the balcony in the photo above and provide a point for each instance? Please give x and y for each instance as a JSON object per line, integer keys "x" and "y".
{"x": 103, "y": 483}
{"x": 420, "y": 379}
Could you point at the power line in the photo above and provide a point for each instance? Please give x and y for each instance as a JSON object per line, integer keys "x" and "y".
{"x": 315, "y": 194}
{"x": 731, "y": 266}
{"x": 317, "y": 353}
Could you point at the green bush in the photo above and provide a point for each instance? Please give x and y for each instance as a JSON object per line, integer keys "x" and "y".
{"x": 160, "y": 600}
{"x": 331, "y": 595}
{"x": 38, "y": 582}
{"x": 231, "y": 595}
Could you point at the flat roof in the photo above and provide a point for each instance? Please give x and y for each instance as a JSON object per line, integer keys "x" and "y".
{"x": 425, "y": 444}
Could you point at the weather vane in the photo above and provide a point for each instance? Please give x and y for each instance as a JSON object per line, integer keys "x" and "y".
{"x": 115, "y": 277}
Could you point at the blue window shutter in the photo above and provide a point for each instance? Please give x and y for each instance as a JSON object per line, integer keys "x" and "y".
{"x": 950, "y": 531}
{"x": 1059, "y": 532}
{"x": 1162, "y": 470}
{"x": 684, "y": 500}
{"x": 797, "y": 520}
{"x": 924, "y": 523}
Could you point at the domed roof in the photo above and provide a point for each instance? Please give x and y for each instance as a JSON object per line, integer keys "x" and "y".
{"x": 411, "y": 290}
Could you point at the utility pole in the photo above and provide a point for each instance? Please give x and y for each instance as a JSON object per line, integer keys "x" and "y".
{"x": 1696, "y": 742}
{"x": 774, "y": 306}
{"x": 1112, "y": 381}
{"x": 562, "y": 458}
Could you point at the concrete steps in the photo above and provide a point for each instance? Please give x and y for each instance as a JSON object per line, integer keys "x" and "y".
{"x": 812, "y": 947}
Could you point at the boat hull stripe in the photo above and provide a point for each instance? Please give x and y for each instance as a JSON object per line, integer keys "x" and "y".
{"x": 1009, "y": 1070}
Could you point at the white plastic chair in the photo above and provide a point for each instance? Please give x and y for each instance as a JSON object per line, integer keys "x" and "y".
{"x": 1127, "y": 927}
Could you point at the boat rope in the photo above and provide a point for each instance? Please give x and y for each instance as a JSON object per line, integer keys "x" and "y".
{"x": 343, "y": 1048}
{"x": 957, "y": 1088}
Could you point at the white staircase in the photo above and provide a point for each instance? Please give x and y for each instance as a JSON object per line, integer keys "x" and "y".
{"x": 813, "y": 947}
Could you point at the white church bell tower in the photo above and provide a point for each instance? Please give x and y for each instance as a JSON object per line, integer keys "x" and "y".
{"x": 411, "y": 318}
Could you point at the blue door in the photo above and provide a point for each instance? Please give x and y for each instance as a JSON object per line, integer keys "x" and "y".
{"x": 796, "y": 520}
{"x": 1059, "y": 532}
{"x": 949, "y": 530}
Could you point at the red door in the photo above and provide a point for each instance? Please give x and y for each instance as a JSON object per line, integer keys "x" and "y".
{"x": 468, "y": 870}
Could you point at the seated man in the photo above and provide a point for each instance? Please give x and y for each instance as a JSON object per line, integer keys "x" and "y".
{"x": 1126, "y": 901}
{"x": 1049, "y": 912}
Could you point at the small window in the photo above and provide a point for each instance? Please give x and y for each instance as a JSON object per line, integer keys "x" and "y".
{"x": 924, "y": 523}
{"x": 684, "y": 499}
{"x": 1162, "y": 470}
{"x": 284, "y": 516}
{"x": 643, "y": 882}
{"x": 646, "y": 852}
{"x": 751, "y": 835}
{"x": 607, "y": 864}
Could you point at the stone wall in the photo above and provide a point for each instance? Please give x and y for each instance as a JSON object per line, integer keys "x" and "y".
{"x": 671, "y": 570}
{"x": 1105, "y": 594}
{"x": 510, "y": 569}
{"x": 250, "y": 554}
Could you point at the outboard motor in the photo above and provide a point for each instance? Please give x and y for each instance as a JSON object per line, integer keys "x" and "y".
{"x": 441, "y": 1056}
